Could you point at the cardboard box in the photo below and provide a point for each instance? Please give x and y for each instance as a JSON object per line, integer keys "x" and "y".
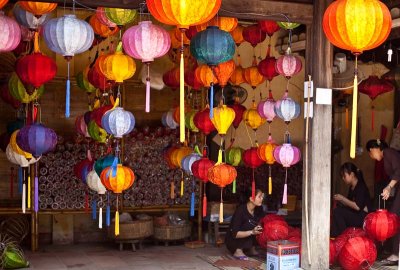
{"x": 283, "y": 255}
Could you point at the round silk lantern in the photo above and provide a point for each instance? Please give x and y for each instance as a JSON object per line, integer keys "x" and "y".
{"x": 358, "y": 253}
{"x": 223, "y": 71}
{"x": 10, "y": 33}
{"x": 268, "y": 26}
{"x": 266, "y": 108}
{"x": 288, "y": 65}
{"x": 239, "y": 110}
{"x": 15, "y": 147}
{"x": 234, "y": 156}
{"x": 96, "y": 132}
{"x": 178, "y": 155}
{"x": 266, "y": 68}
{"x": 253, "y": 34}
{"x": 286, "y": 155}
{"x": 101, "y": 16}
{"x": 237, "y": 35}
{"x": 36, "y": 69}
{"x": 237, "y": 77}
{"x": 19, "y": 159}
{"x": 222, "y": 175}
{"x": 266, "y": 153}
{"x": 212, "y": 46}
{"x": 252, "y": 76}
{"x": 37, "y": 8}
{"x": 97, "y": 79}
{"x": 252, "y": 160}
{"x": 188, "y": 161}
{"x": 189, "y": 121}
{"x": 81, "y": 126}
{"x": 203, "y": 122}
{"x": 36, "y": 139}
{"x": 120, "y": 16}
{"x": 27, "y": 19}
{"x": 287, "y": 109}
{"x": 118, "y": 67}
{"x": 118, "y": 122}
{"x": 103, "y": 163}
{"x": 83, "y": 82}
{"x": 366, "y": 26}
{"x": 171, "y": 78}
{"x": 227, "y": 24}
{"x": 82, "y": 169}
{"x": 252, "y": 118}
{"x": 60, "y": 35}
{"x": 101, "y": 29}
{"x": 146, "y": 42}
{"x": 200, "y": 170}
{"x": 351, "y": 232}
{"x": 19, "y": 92}
{"x": 381, "y": 224}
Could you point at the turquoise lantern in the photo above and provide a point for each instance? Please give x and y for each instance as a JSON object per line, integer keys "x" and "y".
{"x": 103, "y": 163}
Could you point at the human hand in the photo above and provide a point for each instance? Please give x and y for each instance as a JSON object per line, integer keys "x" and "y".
{"x": 338, "y": 197}
{"x": 385, "y": 193}
{"x": 257, "y": 230}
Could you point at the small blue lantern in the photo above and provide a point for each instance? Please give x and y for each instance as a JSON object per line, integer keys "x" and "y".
{"x": 118, "y": 122}
{"x": 212, "y": 46}
{"x": 287, "y": 109}
{"x": 188, "y": 161}
{"x": 36, "y": 139}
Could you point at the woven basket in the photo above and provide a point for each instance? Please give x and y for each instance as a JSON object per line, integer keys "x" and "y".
{"x": 137, "y": 229}
{"x": 175, "y": 232}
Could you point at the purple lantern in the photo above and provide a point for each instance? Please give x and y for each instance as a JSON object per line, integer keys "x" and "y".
{"x": 36, "y": 139}
{"x": 288, "y": 65}
{"x": 287, "y": 109}
{"x": 266, "y": 108}
{"x": 10, "y": 33}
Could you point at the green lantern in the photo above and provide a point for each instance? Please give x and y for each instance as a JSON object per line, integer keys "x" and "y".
{"x": 120, "y": 16}
{"x": 189, "y": 123}
{"x": 82, "y": 81}
{"x": 288, "y": 25}
{"x": 234, "y": 156}
{"x": 19, "y": 92}
{"x": 96, "y": 132}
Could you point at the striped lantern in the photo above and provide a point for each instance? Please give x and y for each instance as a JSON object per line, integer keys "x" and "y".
{"x": 10, "y": 33}
{"x": 287, "y": 109}
{"x": 266, "y": 153}
{"x": 288, "y": 65}
{"x": 118, "y": 122}
{"x": 266, "y": 108}
{"x": 36, "y": 139}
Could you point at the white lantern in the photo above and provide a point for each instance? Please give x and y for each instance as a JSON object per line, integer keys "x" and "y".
{"x": 118, "y": 122}
{"x": 94, "y": 183}
{"x": 10, "y": 33}
{"x": 287, "y": 109}
{"x": 18, "y": 159}
{"x": 27, "y": 19}
{"x": 170, "y": 120}
{"x": 187, "y": 162}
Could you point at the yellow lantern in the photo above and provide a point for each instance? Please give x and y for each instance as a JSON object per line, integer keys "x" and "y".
{"x": 118, "y": 66}
{"x": 227, "y": 24}
{"x": 15, "y": 147}
{"x": 252, "y": 118}
{"x": 223, "y": 118}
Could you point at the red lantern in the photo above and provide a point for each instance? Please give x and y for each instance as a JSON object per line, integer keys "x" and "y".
{"x": 98, "y": 113}
{"x": 203, "y": 122}
{"x": 200, "y": 170}
{"x": 373, "y": 87}
{"x": 192, "y": 80}
{"x": 171, "y": 78}
{"x": 252, "y": 160}
{"x": 275, "y": 230}
{"x": 357, "y": 254}
{"x": 347, "y": 234}
{"x": 270, "y": 217}
{"x": 269, "y": 27}
{"x": 98, "y": 80}
{"x": 253, "y": 34}
{"x": 239, "y": 110}
{"x": 381, "y": 225}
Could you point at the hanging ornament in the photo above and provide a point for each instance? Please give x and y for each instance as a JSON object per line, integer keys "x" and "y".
{"x": 103, "y": 163}
{"x": 16, "y": 148}
{"x": 101, "y": 29}
{"x": 37, "y": 8}
{"x": 381, "y": 225}
{"x": 358, "y": 253}
{"x": 253, "y": 35}
{"x": 200, "y": 170}
{"x": 288, "y": 65}
{"x": 234, "y": 156}
{"x": 252, "y": 118}
{"x": 101, "y": 16}
{"x": 203, "y": 122}
{"x": 223, "y": 71}
{"x": 288, "y": 25}
{"x": 266, "y": 108}
{"x": 252, "y": 76}
{"x": 207, "y": 77}
{"x": 186, "y": 165}
{"x": 287, "y": 109}
{"x": 146, "y": 42}
{"x": 94, "y": 183}
{"x": 98, "y": 113}
{"x": 252, "y": 160}
{"x": 96, "y": 132}
{"x": 266, "y": 153}
{"x": 10, "y": 33}
{"x": 120, "y": 16}
{"x": 36, "y": 139}
{"x": 223, "y": 118}
{"x": 118, "y": 122}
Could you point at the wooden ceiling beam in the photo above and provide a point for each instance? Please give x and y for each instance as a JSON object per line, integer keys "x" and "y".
{"x": 128, "y": 4}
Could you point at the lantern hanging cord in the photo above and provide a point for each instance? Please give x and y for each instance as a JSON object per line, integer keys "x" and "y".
{"x": 248, "y": 134}
{"x": 257, "y": 14}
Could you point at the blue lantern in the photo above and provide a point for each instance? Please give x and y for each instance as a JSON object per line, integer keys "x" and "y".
{"x": 212, "y": 46}
{"x": 118, "y": 122}
{"x": 287, "y": 109}
{"x": 36, "y": 139}
{"x": 187, "y": 162}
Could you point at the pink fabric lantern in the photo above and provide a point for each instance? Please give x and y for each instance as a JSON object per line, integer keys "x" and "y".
{"x": 266, "y": 108}
{"x": 287, "y": 155}
{"x": 146, "y": 41}
{"x": 288, "y": 65}
{"x": 10, "y": 33}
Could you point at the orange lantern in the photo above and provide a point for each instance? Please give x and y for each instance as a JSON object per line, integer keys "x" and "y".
{"x": 183, "y": 13}
{"x": 101, "y": 29}
{"x": 252, "y": 118}
{"x": 37, "y": 8}
{"x": 252, "y": 76}
{"x": 227, "y": 24}
{"x": 266, "y": 153}
{"x": 3, "y": 3}
{"x": 205, "y": 75}
{"x": 237, "y": 77}
{"x": 224, "y": 71}
{"x": 237, "y": 35}
{"x": 356, "y": 25}
{"x": 222, "y": 175}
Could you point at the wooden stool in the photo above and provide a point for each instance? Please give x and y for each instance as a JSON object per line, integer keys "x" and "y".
{"x": 129, "y": 241}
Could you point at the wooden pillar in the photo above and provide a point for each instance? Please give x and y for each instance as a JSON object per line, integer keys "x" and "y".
{"x": 319, "y": 65}
{"x": 34, "y": 216}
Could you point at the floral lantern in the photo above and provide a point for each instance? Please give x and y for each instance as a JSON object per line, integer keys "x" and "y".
{"x": 200, "y": 170}
{"x": 96, "y": 132}
{"x": 120, "y": 16}
{"x": 381, "y": 225}
{"x": 94, "y": 183}
{"x": 15, "y": 147}
{"x": 171, "y": 78}
{"x": 358, "y": 253}
{"x": 203, "y": 122}
{"x": 118, "y": 122}
{"x": 266, "y": 153}
{"x": 223, "y": 71}
{"x": 27, "y": 19}
{"x": 288, "y": 65}
{"x": 222, "y": 175}
{"x": 364, "y": 28}
{"x": 146, "y": 41}
{"x": 36, "y": 69}
{"x": 117, "y": 178}
{"x": 80, "y": 126}
{"x": 36, "y": 139}
{"x": 37, "y": 8}
{"x": 18, "y": 90}
{"x": 3, "y": 3}
{"x": 101, "y": 16}
{"x": 227, "y": 24}
{"x": 101, "y": 29}
{"x": 103, "y": 163}
{"x": 287, "y": 109}
{"x": 10, "y": 33}
{"x": 269, "y": 27}
{"x": 287, "y": 155}
{"x": 252, "y": 160}
{"x": 61, "y": 35}
{"x": 252, "y": 118}
{"x": 239, "y": 110}
{"x": 253, "y": 34}
{"x": 83, "y": 82}
{"x": 373, "y": 87}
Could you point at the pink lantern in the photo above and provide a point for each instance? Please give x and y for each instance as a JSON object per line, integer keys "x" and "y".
{"x": 266, "y": 108}
{"x": 81, "y": 127}
{"x": 10, "y": 33}
{"x": 146, "y": 41}
{"x": 101, "y": 16}
{"x": 288, "y": 65}
{"x": 287, "y": 155}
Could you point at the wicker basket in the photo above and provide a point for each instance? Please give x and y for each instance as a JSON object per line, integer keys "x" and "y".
{"x": 137, "y": 229}
{"x": 175, "y": 232}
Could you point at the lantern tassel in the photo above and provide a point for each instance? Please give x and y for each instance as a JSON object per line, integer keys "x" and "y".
{"x": 36, "y": 195}
{"x": 23, "y": 198}
{"x": 172, "y": 192}
{"x": 182, "y": 187}
{"x": 116, "y": 223}
{"x": 101, "y": 218}
{"x": 94, "y": 209}
{"x": 212, "y": 101}
{"x": 354, "y": 115}
{"x": 269, "y": 185}
{"x": 20, "y": 181}
{"x": 108, "y": 214}
{"x": 219, "y": 156}
{"x": 221, "y": 212}
{"x": 148, "y": 89}
{"x": 182, "y": 98}
{"x": 204, "y": 205}
{"x": 234, "y": 187}
{"x": 67, "y": 95}
{"x": 12, "y": 183}
{"x": 192, "y": 205}
{"x": 347, "y": 118}
{"x": 372, "y": 118}
{"x": 29, "y": 192}
{"x": 284, "y": 199}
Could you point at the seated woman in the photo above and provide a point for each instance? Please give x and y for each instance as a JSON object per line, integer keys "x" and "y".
{"x": 352, "y": 210}
{"x": 244, "y": 226}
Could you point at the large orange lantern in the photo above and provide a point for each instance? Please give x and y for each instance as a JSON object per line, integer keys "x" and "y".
{"x": 356, "y": 25}
{"x": 222, "y": 175}
{"x": 37, "y": 8}
{"x": 224, "y": 71}
{"x": 266, "y": 152}
{"x": 183, "y": 13}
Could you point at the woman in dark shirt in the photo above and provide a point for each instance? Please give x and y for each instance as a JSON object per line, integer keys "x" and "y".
{"x": 352, "y": 210}
{"x": 244, "y": 227}
{"x": 379, "y": 150}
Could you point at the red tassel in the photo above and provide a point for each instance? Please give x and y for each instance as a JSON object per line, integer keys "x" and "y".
{"x": 35, "y": 110}
{"x": 204, "y": 205}
{"x": 253, "y": 189}
{"x": 12, "y": 183}
{"x": 372, "y": 118}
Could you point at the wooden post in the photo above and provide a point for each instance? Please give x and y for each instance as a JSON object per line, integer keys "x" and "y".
{"x": 34, "y": 216}
{"x": 319, "y": 65}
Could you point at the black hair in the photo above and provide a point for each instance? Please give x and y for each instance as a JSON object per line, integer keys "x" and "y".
{"x": 246, "y": 194}
{"x": 349, "y": 167}
{"x": 376, "y": 144}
